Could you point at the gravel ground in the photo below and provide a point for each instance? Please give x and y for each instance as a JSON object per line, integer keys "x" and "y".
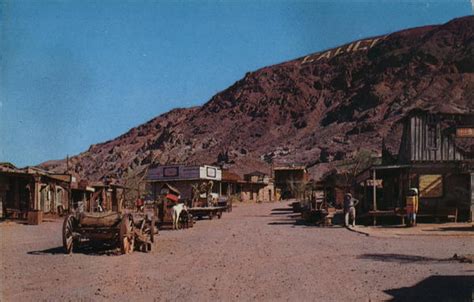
{"x": 257, "y": 252}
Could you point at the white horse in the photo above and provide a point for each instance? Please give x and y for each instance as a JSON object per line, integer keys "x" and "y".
{"x": 176, "y": 212}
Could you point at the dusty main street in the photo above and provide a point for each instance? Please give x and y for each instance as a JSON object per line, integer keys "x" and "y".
{"x": 257, "y": 252}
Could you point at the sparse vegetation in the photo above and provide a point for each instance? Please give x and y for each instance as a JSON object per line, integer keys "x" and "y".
{"x": 349, "y": 168}
{"x": 134, "y": 181}
{"x": 297, "y": 188}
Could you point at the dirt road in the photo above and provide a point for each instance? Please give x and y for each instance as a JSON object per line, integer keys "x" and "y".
{"x": 257, "y": 252}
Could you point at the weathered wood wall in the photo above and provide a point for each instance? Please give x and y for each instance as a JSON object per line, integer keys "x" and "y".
{"x": 415, "y": 146}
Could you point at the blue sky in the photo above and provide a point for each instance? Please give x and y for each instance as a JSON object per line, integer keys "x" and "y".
{"x": 76, "y": 73}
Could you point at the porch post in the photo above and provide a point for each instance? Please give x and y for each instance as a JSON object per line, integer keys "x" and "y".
{"x": 472, "y": 196}
{"x": 374, "y": 195}
{"x": 16, "y": 195}
{"x": 374, "y": 190}
{"x": 365, "y": 205}
{"x": 37, "y": 194}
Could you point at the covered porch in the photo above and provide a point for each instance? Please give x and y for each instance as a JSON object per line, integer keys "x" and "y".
{"x": 445, "y": 191}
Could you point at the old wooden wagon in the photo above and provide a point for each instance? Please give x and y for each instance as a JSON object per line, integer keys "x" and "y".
{"x": 209, "y": 212}
{"x": 127, "y": 231}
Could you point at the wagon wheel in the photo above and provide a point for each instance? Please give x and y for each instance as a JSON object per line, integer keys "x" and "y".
{"x": 127, "y": 235}
{"x": 151, "y": 234}
{"x": 68, "y": 237}
{"x": 219, "y": 214}
{"x": 146, "y": 234}
{"x": 156, "y": 229}
{"x": 152, "y": 230}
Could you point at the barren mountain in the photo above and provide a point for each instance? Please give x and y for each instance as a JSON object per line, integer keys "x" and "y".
{"x": 317, "y": 109}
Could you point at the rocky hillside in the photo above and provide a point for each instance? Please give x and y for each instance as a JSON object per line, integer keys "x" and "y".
{"x": 317, "y": 109}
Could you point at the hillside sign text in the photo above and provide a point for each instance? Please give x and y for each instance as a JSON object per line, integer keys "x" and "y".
{"x": 352, "y": 47}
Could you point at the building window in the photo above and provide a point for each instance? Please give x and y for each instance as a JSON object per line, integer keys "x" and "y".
{"x": 433, "y": 136}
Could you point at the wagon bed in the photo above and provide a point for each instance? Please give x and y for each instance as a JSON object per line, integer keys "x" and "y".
{"x": 127, "y": 230}
{"x": 210, "y": 212}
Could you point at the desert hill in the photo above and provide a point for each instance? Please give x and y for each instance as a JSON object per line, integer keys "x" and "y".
{"x": 317, "y": 110}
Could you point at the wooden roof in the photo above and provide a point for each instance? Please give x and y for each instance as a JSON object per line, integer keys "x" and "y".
{"x": 230, "y": 176}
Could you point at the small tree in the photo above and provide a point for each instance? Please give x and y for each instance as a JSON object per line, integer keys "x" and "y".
{"x": 351, "y": 167}
{"x": 134, "y": 181}
{"x": 297, "y": 188}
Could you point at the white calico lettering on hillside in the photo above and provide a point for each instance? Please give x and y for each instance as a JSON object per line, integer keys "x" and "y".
{"x": 361, "y": 45}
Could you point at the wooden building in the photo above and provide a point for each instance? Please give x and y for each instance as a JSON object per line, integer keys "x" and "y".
{"x": 290, "y": 180}
{"x": 183, "y": 178}
{"x": 230, "y": 183}
{"x": 32, "y": 190}
{"x": 257, "y": 186}
{"x": 431, "y": 151}
{"x": 81, "y": 194}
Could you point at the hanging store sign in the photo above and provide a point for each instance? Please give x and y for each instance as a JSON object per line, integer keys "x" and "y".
{"x": 465, "y": 132}
{"x": 370, "y": 183}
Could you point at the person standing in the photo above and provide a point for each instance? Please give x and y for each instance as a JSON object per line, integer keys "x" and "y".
{"x": 349, "y": 209}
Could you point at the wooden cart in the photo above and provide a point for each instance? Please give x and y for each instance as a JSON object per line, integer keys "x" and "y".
{"x": 127, "y": 231}
{"x": 210, "y": 212}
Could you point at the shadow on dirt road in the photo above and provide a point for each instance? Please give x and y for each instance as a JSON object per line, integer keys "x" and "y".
{"x": 436, "y": 288}
{"x": 86, "y": 249}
